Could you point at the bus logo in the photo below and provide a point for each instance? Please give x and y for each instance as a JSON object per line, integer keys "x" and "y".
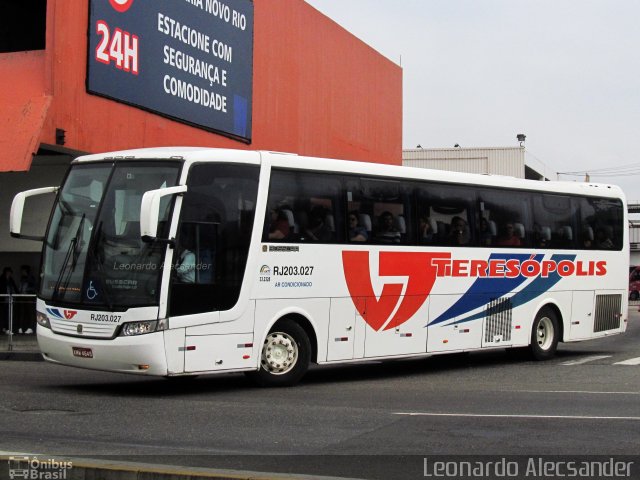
{"x": 64, "y": 315}
{"x": 38, "y": 468}
{"x": 18, "y": 467}
{"x": 378, "y": 312}
{"x": 495, "y": 277}
{"x": 265, "y": 273}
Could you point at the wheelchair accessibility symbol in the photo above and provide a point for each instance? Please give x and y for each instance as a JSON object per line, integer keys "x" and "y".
{"x": 91, "y": 291}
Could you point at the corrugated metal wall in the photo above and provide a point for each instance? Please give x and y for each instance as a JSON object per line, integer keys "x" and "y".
{"x": 496, "y": 161}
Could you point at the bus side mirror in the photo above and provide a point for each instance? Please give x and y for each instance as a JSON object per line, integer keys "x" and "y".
{"x": 17, "y": 209}
{"x": 150, "y": 210}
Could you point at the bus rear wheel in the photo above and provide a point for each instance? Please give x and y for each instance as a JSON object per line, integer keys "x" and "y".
{"x": 285, "y": 357}
{"x": 545, "y": 334}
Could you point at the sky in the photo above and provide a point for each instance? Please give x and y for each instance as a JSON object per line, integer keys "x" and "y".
{"x": 566, "y": 73}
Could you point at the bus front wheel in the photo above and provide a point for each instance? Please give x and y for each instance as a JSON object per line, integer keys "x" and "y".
{"x": 285, "y": 357}
{"x": 544, "y": 334}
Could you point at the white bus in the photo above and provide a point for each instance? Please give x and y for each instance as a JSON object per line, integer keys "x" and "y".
{"x": 185, "y": 261}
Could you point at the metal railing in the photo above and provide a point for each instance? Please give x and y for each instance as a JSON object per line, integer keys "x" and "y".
{"x": 17, "y": 317}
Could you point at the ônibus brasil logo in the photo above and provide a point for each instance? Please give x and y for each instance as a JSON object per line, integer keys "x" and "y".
{"x": 500, "y": 274}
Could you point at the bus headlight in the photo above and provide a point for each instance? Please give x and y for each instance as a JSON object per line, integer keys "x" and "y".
{"x": 141, "y": 328}
{"x": 42, "y": 320}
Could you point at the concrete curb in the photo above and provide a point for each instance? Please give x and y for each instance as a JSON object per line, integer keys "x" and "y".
{"x": 92, "y": 469}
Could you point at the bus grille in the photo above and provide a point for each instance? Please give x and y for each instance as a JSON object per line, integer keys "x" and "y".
{"x": 89, "y": 330}
{"x": 608, "y": 312}
{"x": 498, "y": 321}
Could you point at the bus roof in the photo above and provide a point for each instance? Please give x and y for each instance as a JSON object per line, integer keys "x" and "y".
{"x": 293, "y": 161}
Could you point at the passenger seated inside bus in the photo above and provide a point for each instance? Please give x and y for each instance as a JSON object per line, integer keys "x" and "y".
{"x": 603, "y": 239}
{"x": 427, "y": 229}
{"x": 542, "y": 235}
{"x": 319, "y": 229}
{"x": 459, "y": 232}
{"x": 565, "y": 237}
{"x": 587, "y": 237}
{"x": 185, "y": 263}
{"x": 186, "y": 267}
{"x": 357, "y": 233}
{"x": 279, "y": 228}
{"x": 387, "y": 232}
{"x": 509, "y": 237}
{"x": 487, "y": 232}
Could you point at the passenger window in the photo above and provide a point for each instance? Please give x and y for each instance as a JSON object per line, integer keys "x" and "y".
{"x": 504, "y": 219}
{"x": 303, "y": 207}
{"x": 601, "y": 224}
{"x": 555, "y": 221}
{"x": 382, "y": 209}
{"x": 445, "y": 215}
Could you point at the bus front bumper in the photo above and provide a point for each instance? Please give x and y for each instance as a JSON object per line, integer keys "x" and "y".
{"x": 141, "y": 354}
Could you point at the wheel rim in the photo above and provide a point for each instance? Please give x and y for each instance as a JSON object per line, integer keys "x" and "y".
{"x": 544, "y": 335}
{"x": 279, "y": 353}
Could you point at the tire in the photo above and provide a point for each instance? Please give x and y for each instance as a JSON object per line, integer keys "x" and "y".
{"x": 545, "y": 334}
{"x": 633, "y": 296}
{"x": 286, "y": 353}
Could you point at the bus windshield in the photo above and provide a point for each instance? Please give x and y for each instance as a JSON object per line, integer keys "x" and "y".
{"x": 93, "y": 254}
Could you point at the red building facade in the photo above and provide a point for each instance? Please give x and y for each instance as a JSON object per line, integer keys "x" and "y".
{"x": 317, "y": 90}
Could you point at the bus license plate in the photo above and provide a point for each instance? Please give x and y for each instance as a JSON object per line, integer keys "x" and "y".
{"x": 82, "y": 352}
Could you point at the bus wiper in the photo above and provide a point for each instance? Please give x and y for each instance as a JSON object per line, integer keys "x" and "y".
{"x": 95, "y": 259}
{"x": 73, "y": 252}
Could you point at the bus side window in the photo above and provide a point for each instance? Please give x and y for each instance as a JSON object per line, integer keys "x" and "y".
{"x": 442, "y": 206}
{"x": 560, "y": 214}
{"x": 303, "y": 207}
{"x": 601, "y": 221}
{"x": 504, "y": 219}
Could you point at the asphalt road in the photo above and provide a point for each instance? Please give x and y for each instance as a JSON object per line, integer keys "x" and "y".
{"x": 374, "y": 420}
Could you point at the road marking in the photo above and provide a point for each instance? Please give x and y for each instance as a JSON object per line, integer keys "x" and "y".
{"x": 580, "y": 361}
{"x": 631, "y": 361}
{"x": 573, "y": 391}
{"x": 483, "y": 415}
